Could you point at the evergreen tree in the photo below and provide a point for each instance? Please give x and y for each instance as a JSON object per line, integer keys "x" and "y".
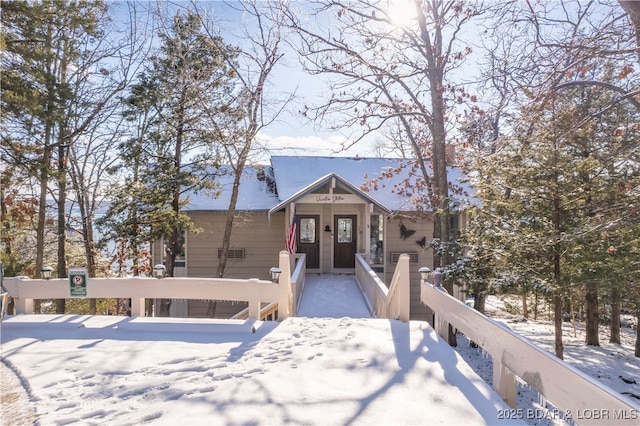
{"x": 185, "y": 84}
{"x": 558, "y": 192}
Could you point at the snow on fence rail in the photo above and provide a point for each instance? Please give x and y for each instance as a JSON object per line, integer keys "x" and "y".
{"x": 567, "y": 388}
{"x": 253, "y": 291}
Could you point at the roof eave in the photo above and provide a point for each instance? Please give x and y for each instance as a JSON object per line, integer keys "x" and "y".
{"x": 321, "y": 181}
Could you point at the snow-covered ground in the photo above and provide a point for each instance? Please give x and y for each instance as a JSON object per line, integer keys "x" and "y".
{"x": 323, "y": 368}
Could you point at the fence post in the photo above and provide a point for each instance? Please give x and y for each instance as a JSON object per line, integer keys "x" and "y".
{"x": 137, "y": 307}
{"x": 285, "y": 303}
{"x": 404, "y": 290}
{"x": 504, "y": 382}
{"x": 24, "y": 306}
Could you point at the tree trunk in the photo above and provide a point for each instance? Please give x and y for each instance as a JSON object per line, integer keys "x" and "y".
{"x": 42, "y": 215}
{"x": 226, "y": 240}
{"x": 615, "y": 316}
{"x": 435, "y": 74}
{"x": 62, "y": 220}
{"x": 90, "y": 251}
{"x": 525, "y": 309}
{"x": 632, "y": 7}
{"x": 557, "y": 303}
{"x": 593, "y": 315}
{"x": 479, "y": 301}
{"x": 164, "y": 305}
{"x": 637, "y": 352}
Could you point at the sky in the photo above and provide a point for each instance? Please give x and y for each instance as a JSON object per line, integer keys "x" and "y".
{"x": 327, "y": 366}
{"x": 290, "y": 133}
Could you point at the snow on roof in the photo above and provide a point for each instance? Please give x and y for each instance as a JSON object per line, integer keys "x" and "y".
{"x": 257, "y": 191}
{"x": 264, "y": 187}
{"x": 295, "y": 172}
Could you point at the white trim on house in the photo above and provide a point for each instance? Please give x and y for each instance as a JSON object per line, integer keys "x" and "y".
{"x": 303, "y": 195}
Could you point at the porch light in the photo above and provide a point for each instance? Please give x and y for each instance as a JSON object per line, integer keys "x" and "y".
{"x": 327, "y": 228}
{"x": 425, "y": 273}
{"x": 159, "y": 271}
{"x": 275, "y": 274}
{"x": 46, "y": 272}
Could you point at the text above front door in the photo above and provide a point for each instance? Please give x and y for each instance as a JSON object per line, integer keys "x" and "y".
{"x": 308, "y": 228}
{"x": 344, "y": 241}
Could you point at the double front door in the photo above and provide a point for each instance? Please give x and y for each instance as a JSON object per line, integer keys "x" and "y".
{"x": 344, "y": 240}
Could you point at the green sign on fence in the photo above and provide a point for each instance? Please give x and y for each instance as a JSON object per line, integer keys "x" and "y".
{"x": 78, "y": 282}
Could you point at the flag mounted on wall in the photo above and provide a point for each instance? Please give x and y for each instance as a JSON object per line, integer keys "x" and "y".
{"x": 290, "y": 238}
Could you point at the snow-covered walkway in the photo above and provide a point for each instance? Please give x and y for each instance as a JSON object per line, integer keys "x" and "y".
{"x": 332, "y": 296}
{"x": 312, "y": 371}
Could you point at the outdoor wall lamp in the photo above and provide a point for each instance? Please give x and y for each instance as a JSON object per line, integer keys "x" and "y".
{"x": 159, "y": 271}
{"x": 275, "y": 274}
{"x": 327, "y": 228}
{"x": 425, "y": 273}
{"x": 46, "y": 272}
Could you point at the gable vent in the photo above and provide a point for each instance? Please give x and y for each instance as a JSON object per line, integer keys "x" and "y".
{"x": 232, "y": 253}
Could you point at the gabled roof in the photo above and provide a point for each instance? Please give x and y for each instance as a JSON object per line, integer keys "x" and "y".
{"x": 383, "y": 178}
{"x": 323, "y": 181}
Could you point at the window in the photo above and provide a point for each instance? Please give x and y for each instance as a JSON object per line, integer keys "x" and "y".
{"x": 345, "y": 228}
{"x": 307, "y": 230}
{"x": 376, "y": 251}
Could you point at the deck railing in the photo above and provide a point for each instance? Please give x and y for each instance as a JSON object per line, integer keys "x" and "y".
{"x": 297, "y": 280}
{"x": 291, "y": 285}
{"x": 253, "y": 291}
{"x": 573, "y": 393}
{"x": 383, "y": 302}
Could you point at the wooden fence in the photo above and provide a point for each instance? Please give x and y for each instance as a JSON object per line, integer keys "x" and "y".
{"x": 253, "y": 291}
{"x": 383, "y": 302}
{"x": 573, "y": 393}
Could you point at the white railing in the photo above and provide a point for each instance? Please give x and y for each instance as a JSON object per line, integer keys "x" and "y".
{"x": 268, "y": 312}
{"x": 572, "y": 392}
{"x": 383, "y": 302}
{"x": 297, "y": 281}
{"x": 292, "y": 283}
{"x": 253, "y": 291}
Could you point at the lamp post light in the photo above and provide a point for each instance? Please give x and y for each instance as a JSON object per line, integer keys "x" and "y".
{"x": 275, "y": 274}
{"x": 46, "y": 272}
{"x": 159, "y": 271}
{"x": 425, "y": 273}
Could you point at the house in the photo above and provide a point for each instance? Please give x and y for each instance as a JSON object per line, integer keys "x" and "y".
{"x": 341, "y": 206}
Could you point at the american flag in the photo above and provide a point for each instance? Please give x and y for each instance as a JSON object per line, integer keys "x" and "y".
{"x": 290, "y": 238}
